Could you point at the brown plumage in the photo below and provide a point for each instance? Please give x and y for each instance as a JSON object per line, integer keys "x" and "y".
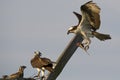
{"x": 101, "y": 36}
{"x": 89, "y": 22}
{"x": 41, "y": 63}
{"x": 91, "y": 11}
{"x": 18, "y": 75}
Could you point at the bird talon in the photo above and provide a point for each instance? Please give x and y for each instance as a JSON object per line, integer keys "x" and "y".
{"x": 43, "y": 78}
{"x": 86, "y": 47}
{"x": 80, "y": 45}
{"x": 35, "y": 76}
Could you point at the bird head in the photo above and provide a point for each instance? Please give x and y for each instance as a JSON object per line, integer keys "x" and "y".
{"x": 37, "y": 53}
{"x": 22, "y": 68}
{"x": 72, "y": 29}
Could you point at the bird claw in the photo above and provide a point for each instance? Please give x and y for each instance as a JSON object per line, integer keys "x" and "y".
{"x": 43, "y": 78}
{"x": 36, "y": 76}
{"x": 86, "y": 47}
{"x": 81, "y": 46}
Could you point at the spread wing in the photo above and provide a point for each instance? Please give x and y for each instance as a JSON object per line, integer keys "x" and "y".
{"x": 90, "y": 13}
{"x": 78, "y": 16}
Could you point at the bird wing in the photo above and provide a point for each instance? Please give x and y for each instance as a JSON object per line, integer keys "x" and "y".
{"x": 46, "y": 60}
{"x": 15, "y": 75}
{"x": 78, "y": 16}
{"x": 48, "y": 64}
{"x": 36, "y": 63}
{"x": 90, "y": 13}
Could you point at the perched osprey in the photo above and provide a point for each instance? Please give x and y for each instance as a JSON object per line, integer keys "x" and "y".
{"x": 42, "y": 64}
{"x": 16, "y": 76}
{"x": 89, "y": 22}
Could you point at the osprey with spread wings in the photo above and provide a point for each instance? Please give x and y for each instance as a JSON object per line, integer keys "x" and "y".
{"x": 89, "y": 22}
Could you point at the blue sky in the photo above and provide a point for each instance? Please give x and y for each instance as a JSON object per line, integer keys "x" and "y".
{"x": 30, "y": 25}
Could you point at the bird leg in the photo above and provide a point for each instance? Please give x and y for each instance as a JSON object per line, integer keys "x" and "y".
{"x": 81, "y": 45}
{"x": 43, "y": 73}
{"x": 54, "y": 65}
{"x": 38, "y": 75}
{"x": 86, "y": 43}
{"x": 86, "y": 46}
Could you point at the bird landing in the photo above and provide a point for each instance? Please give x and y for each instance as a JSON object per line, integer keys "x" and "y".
{"x": 83, "y": 47}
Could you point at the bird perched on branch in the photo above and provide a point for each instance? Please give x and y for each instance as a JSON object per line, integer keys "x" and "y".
{"x": 89, "y": 23}
{"x": 42, "y": 64}
{"x": 16, "y": 76}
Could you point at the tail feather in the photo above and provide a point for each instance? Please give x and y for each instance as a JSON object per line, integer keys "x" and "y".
{"x": 101, "y": 37}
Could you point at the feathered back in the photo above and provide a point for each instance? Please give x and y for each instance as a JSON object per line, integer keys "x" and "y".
{"x": 19, "y": 74}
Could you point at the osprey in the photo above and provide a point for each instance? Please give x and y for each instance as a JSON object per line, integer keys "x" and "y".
{"x": 88, "y": 23}
{"x": 42, "y": 64}
{"x": 18, "y": 75}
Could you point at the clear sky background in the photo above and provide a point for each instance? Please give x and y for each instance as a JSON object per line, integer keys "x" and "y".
{"x": 30, "y": 25}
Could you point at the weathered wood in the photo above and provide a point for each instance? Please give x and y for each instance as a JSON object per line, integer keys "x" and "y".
{"x": 64, "y": 57}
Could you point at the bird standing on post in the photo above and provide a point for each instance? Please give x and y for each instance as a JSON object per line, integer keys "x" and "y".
{"x": 16, "y": 76}
{"x": 89, "y": 22}
{"x": 42, "y": 64}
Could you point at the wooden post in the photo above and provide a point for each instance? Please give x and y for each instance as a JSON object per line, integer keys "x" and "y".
{"x": 64, "y": 57}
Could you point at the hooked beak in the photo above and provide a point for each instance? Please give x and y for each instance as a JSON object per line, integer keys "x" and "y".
{"x": 37, "y": 53}
{"x": 68, "y": 32}
{"x": 23, "y": 67}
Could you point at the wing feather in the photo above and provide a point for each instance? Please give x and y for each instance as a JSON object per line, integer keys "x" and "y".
{"x": 90, "y": 11}
{"x": 78, "y": 16}
{"x": 38, "y": 62}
